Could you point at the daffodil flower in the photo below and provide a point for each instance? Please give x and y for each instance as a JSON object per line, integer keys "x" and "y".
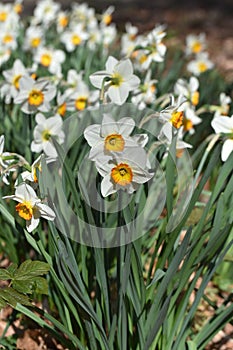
{"x": 50, "y": 59}
{"x": 195, "y": 44}
{"x": 31, "y": 176}
{"x": 30, "y": 207}
{"x": 124, "y": 171}
{"x": 10, "y": 88}
{"x": 45, "y": 130}
{"x": 35, "y": 95}
{"x": 166, "y": 135}
{"x": 223, "y": 124}
{"x": 74, "y": 38}
{"x": 200, "y": 64}
{"x": 111, "y": 136}
{"x": 174, "y": 113}
{"x": 5, "y": 163}
{"x": 45, "y": 12}
{"x": 118, "y": 79}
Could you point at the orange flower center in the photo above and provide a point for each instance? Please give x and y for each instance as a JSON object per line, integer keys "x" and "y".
{"x": 46, "y": 59}
{"x": 143, "y": 59}
{"x": 202, "y": 67}
{"x": 114, "y": 142}
{"x": 3, "y": 16}
{"x": 63, "y": 21}
{"x": 122, "y": 174}
{"x": 62, "y": 109}
{"x": 7, "y": 39}
{"x": 35, "y": 42}
{"x": 35, "y": 98}
{"x": 107, "y": 19}
{"x": 18, "y": 8}
{"x": 188, "y": 125}
{"x": 196, "y": 47}
{"x": 76, "y": 40}
{"x": 15, "y": 81}
{"x": 25, "y": 210}
{"x": 81, "y": 103}
{"x": 35, "y": 169}
{"x": 195, "y": 98}
{"x": 177, "y": 119}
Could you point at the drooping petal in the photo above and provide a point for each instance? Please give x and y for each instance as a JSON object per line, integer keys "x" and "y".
{"x": 107, "y": 187}
{"x": 45, "y": 211}
{"x": 222, "y": 124}
{"x": 97, "y": 78}
{"x": 32, "y": 224}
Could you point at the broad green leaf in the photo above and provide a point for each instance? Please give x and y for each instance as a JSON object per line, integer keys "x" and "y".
{"x": 4, "y": 274}
{"x": 12, "y": 297}
{"x": 29, "y": 269}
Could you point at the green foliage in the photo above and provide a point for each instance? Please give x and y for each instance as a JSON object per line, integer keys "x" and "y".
{"x": 24, "y": 280}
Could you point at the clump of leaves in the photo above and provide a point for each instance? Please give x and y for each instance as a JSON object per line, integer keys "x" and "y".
{"x": 23, "y": 280}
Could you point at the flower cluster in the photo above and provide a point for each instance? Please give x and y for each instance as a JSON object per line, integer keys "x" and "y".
{"x": 62, "y": 62}
{"x": 119, "y": 157}
{"x": 195, "y": 47}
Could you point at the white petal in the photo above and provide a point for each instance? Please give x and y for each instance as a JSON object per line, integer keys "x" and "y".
{"x": 119, "y": 94}
{"x": 222, "y": 124}
{"x": 227, "y": 148}
{"x": 141, "y": 176}
{"x": 92, "y": 134}
{"x": 49, "y": 149}
{"x": 26, "y": 192}
{"x": 141, "y": 139}
{"x": 32, "y": 224}
{"x": 40, "y": 118}
{"x": 125, "y": 69}
{"x": 109, "y": 126}
{"x": 126, "y": 126}
{"x": 110, "y": 64}
{"x": 107, "y": 187}
{"x": 2, "y": 140}
{"x": 133, "y": 82}
{"x": 97, "y": 78}
{"x": 45, "y": 211}
{"x": 36, "y": 147}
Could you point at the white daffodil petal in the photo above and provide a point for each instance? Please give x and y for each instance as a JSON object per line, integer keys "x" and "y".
{"x": 97, "y": 78}
{"x": 126, "y": 126}
{"x": 32, "y": 224}
{"x": 111, "y": 63}
{"x": 222, "y": 124}
{"x": 227, "y": 148}
{"x": 109, "y": 126}
{"x": 118, "y": 94}
{"x": 45, "y": 211}
{"x": 107, "y": 187}
{"x": 124, "y": 68}
{"x": 92, "y": 134}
